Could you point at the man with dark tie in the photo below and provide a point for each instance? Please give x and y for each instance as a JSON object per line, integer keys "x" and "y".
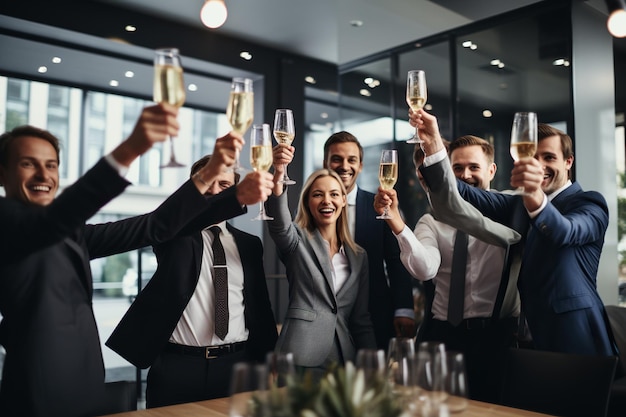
{"x": 563, "y": 231}
{"x": 206, "y": 308}
{"x": 466, "y": 271}
{"x": 391, "y": 293}
{"x": 53, "y": 365}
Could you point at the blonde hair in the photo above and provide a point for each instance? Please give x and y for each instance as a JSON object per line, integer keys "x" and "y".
{"x": 304, "y": 218}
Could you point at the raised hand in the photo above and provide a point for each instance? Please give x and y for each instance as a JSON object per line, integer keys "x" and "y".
{"x": 155, "y": 124}
{"x": 255, "y": 187}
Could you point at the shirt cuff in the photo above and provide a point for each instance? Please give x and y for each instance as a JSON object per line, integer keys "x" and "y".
{"x": 535, "y": 213}
{"x": 405, "y": 312}
{"x": 121, "y": 169}
{"x": 438, "y": 156}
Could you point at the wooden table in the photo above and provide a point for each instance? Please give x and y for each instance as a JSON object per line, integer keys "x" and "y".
{"x": 219, "y": 408}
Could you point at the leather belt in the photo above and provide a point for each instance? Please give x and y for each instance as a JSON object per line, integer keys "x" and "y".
{"x": 206, "y": 352}
{"x": 480, "y": 323}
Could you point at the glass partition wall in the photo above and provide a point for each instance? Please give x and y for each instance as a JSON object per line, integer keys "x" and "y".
{"x": 477, "y": 77}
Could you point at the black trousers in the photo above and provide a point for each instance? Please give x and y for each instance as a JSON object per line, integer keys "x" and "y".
{"x": 484, "y": 344}
{"x": 176, "y": 378}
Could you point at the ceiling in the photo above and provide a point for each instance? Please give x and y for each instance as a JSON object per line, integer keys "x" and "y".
{"x": 319, "y": 29}
{"x": 323, "y": 29}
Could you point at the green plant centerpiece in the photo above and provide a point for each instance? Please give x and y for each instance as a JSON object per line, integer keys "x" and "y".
{"x": 342, "y": 392}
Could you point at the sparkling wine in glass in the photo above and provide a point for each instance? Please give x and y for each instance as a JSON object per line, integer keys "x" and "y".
{"x": 284, "y": 132}
{"x": 261, "y": 157}
{"x": 388, "y": 174}
{"x": 523, "y": 139}
{"x": 240, "y": 110}
{"x": 169, "y": 87}
{"x": 416, "y": 95}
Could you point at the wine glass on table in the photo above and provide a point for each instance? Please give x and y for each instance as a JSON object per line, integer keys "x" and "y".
{"x": 388, "y": 175}
{"x": 261, "y": 157}
{"x": 240, "y": 110}
{"x": 284, "y": 132}
{"x": 523, "y": 139}
{"x": 248, "y": 390}
{"x": 169, "y": 87}
{"x": 416, "y": 95}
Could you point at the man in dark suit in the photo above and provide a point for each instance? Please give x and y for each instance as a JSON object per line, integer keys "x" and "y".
{"x": 391, "y": 294}
{"x": 53, "y": 365}
{"x": 171, "y": 326}
{"x": 564, "y": 229}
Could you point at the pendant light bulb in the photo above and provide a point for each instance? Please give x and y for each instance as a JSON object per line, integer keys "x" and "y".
{"x": 213, "y": 13}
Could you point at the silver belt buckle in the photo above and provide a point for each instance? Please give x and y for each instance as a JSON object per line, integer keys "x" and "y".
{"x": 207, "y": 354}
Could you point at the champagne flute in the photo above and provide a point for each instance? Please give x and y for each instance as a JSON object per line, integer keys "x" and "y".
{"x": 248, "y": 390}
{"x": 388, "y": 174}
{"x": 261, "y": 157}
{"x": 416, "y": 95}
{"x": 284, "y": 132}
{"x": 523, "y": 139}
{"x": 169, "y": 87}
{"x": 455, "y": 382}
{"x": 240, "y": 110}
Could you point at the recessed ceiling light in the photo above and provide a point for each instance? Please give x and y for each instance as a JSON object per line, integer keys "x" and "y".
{"x": 130, "y": 28}
{"x": 495, "y": 62}
{"x": 428, "y": 107}
{"x": 324, "y": 115}
{"x": 356, "y": 23}
{"x": 309, "y": 79}
{"x": 473, "y": 47}
{"x": 129, "y": 74}
{"x": 365, "y": 92}
{"x": 42, "y": 69}
{"x": 192, "y": 87}
{"x": 487, "y": 113}
{"x": 56, "y": 60}
{"x": 114, "y": 83}
{"x": 467, "y": 44}
{"x": 245, "y": 55}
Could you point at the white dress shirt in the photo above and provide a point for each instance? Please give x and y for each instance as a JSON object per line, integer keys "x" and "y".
{"x": 427, "y": 254}
{"x": 196, "y": 326}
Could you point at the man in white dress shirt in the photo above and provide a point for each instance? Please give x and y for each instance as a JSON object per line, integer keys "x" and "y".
{"x": 172, "y": 325}
{"x": 428, "y": 255}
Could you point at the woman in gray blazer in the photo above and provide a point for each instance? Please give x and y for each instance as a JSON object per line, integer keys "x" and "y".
{"x": 327, "y": 319}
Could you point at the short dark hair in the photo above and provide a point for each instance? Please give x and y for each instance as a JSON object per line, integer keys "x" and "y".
{"x": 202, "y": 162}
{"x": 470, "y": 140}
{"x": 342, "y": 137}
{"x": 9, "y": 137}
{"x": 545, "y": 131}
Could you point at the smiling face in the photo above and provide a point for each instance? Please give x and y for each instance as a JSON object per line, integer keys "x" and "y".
{"x": 325, "y": 201}
{"x": 471, "y": 165}
{"x": 345, "y": 159}
{"x": 555, "y": 166}
{"x": 31, "y": 173}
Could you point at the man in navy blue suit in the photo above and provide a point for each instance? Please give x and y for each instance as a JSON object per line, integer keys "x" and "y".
{"x": 563, "y": 229}
{"x": 391, "y": 296}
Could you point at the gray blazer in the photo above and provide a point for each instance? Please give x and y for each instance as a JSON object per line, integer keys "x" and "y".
{"x": 450, "y": 208}
{"x": 315, "y": 314}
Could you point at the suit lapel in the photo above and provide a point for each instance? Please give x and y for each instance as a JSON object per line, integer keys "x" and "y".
{"x": 80, "y": 259}
{"x": 323, "y": 259}
{"x": 354, "y": 271}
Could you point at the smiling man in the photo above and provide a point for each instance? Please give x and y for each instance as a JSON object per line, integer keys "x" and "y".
{"x": 563, "y": 229}
{"x": 391, "y": 296}
{"x": 53, "y": 365}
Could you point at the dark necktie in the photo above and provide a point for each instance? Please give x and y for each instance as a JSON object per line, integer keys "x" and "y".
{"x": 220, "y": 283}
{"x": 456, "y": 297}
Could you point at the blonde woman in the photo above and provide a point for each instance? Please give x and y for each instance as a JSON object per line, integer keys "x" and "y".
{"x": 327, "y": 319}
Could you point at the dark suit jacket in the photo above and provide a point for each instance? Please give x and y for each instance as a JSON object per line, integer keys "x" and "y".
{"x": 53, "y": 364}
{"x": 147, "y": 326}
{"x": 382, "y": 249}
{"x": 557, "y": 280}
